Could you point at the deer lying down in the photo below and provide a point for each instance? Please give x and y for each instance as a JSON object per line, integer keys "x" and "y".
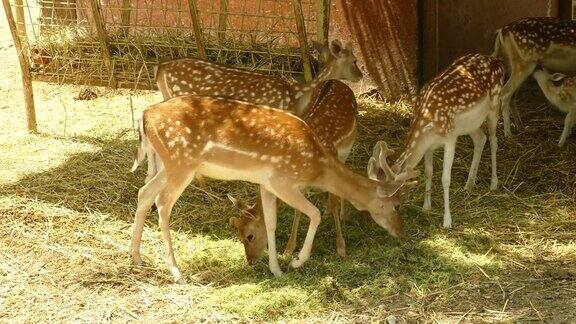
{"x": 332, "y": 116}
{"x": 232, "y": 140}
{"x": 560, "y": 90}
{"x": 455, "y": 103}
{"x": 530, "y": 41}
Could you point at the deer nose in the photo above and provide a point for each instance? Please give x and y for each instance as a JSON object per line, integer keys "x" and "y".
{"x": 251, "y": 261}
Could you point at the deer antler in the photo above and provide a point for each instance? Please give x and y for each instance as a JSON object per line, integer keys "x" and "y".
{"x": 380, "y": 154}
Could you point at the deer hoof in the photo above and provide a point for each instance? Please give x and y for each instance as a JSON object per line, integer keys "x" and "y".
{"x": 296, "y": 263}
{"x": 494, "y": 185}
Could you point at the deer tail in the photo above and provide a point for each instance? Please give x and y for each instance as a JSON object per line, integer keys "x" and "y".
{"x": 140, "y": 152}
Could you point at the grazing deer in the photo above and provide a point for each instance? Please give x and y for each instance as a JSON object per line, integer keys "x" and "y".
{"x": 560, "y": 90}
{"x": 233, "y": 140}
{"x": 332, "y": 116}
{"x": 525, "y": 43}
{"x": 455, "y": 103}
{"x": 191, "y": 76}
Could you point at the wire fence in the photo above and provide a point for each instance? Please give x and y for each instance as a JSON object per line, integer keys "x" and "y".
{"x": 117, "y": 42}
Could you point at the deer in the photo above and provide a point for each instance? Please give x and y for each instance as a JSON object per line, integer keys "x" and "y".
{"x": 332, "y": 116}
{"x": 192, "y": 76}
{"x": 456, "y": 102}
{"x": 560, "y": 90}
{"x": 526, "y": 43}
{"x": 233, "y": 140}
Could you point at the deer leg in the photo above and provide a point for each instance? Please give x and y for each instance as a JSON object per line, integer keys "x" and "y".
{"x": 164, "y": 202}
{"x": 146, "y": 196}
{"x": 295, "y": 198}
{"x": 568, "y": 123}
{"x": 479, "y": 140}
{"x": 449, "y": 150}
{"x": 343, "y": 156}
{"x": 344, "y": 215}
{"x": 340, "y": 242}
{"x": 291, "y": 245}
{"x": 151, "y": 170}
{"x": 334, "y": 208}
{"x": 492, "y": 125}
{"x": 518, "y": 75}
{"x": 428, "y": 168}
{"x": 269, "y": 209}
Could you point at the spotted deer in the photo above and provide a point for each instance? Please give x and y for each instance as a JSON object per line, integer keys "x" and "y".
{"x": 528, "y": 42}
{"x": 233, "y": 140}
{"x": 560, "y": 90}
{"x": 332, "y": 116}
{"x": 191, "y": 76}
{"x": 455, "y": 103}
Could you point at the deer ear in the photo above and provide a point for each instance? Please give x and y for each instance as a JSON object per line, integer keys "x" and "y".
{"x": 235, "y": 202}
{"x": 557, "y": 76}
{"x": 372, "y": 169}
{"x": 235, "y": 222}
{"x": 322, "y": 50}
{"x": 335, "y": 47}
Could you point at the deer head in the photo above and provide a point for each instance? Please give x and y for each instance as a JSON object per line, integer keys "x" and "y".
{"x": 340, "y": 61}
{"x": 251, "y": 228}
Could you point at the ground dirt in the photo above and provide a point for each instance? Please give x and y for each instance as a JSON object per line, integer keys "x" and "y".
{"x": 67, "y": 201}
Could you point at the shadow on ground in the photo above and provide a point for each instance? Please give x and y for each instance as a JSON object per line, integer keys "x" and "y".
{"x": 537, "y": 182}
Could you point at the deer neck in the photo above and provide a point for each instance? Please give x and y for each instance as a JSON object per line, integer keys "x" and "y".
{"x": 303, "y": 93}
{"x": 346, "y": 184}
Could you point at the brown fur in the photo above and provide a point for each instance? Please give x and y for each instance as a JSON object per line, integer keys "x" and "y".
{"x": 332, "y": 116}
{"x": 233, "y": 140}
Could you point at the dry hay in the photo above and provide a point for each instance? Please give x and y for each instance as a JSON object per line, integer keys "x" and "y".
{"x": 67, "y": 202}
{"x": 74, "y": 55}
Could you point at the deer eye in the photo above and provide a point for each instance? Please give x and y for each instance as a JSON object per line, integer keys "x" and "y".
{"x": 250, "y": 237}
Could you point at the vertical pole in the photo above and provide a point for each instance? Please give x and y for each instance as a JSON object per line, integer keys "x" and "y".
{"x": 322, "y": 20}
{"x": 222, "y": 21}
{"x": 197, "y": 28}
{"x": 21, "y": 23}
{"x": 103, "y": 37}
{"x": 302, "y": 38}
{"x": 24, "y": 68}
{"x": 126, "y": 12}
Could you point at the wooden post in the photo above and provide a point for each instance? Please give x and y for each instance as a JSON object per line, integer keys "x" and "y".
{"x": 24, "y": 68}
{"x": 222, "y": 21}
{"x": 126, "y": 12}
{"x": 103, "y": 37}
{"x": 302, "y": 38}
{"x": 21, "y": 23}
{"x": 197, "y": 28}
{"x": 322, "y": 20}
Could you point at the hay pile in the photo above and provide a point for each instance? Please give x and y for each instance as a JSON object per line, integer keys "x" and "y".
{"x": 67, "y": 205}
